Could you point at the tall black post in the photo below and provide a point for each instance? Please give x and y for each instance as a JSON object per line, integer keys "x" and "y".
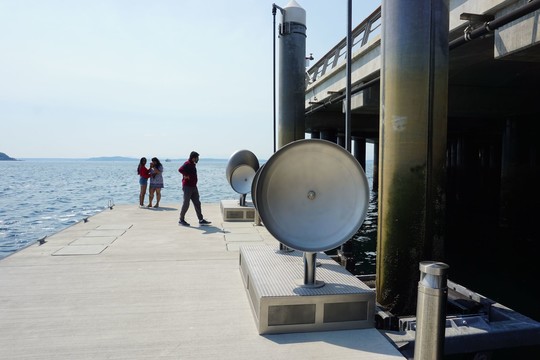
{"x": 414, "y": 96}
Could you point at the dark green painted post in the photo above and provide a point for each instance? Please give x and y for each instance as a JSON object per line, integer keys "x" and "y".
{"x": 412, "y": 148}
{"x": 291, "y": 77}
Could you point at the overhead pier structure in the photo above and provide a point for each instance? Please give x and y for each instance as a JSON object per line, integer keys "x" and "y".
{"x": 488, "y": 191}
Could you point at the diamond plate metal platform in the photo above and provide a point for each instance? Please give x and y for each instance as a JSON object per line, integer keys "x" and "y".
{"x": 273, "y": 282}
{"x": 232, "y": 211}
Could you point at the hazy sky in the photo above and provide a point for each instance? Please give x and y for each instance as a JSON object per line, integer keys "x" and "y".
{"x": 86, "y": 78}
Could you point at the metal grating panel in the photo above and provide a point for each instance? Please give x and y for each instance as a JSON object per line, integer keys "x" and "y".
{"x": 345, "y": 311}
{"x": 291, "y": 314}
{"x": 265, "y": 261}
{"x": 234, "y": 214}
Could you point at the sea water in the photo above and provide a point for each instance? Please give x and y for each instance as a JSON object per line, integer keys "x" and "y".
{"x": 40, "y": 197}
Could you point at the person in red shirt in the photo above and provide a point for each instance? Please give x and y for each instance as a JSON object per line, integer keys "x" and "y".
{"x": 144, "y": 174}
{"x": 189, "y": 187}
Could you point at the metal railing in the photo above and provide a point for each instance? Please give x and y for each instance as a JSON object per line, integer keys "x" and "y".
{"x": 368, "y": 28}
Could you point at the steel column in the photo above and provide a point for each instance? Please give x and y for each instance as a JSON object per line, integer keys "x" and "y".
{"x": 414, "y": 96}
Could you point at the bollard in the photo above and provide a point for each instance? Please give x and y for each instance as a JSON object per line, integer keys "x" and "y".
{"x": 431, "y": 311}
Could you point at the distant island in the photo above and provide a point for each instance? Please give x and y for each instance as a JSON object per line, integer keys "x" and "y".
{"x": 4, "y": 157}
{"x": 112, "y": 158}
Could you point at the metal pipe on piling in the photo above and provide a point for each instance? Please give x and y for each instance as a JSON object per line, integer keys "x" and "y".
{"x": 274, "y": 11}
{"x": 491, "y": 26}
{"x": 348, "y": 77}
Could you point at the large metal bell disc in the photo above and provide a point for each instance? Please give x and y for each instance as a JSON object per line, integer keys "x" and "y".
{"x": 241, "y": 169}
{"x": 254, "y": 186}
{"x": 312, "y": 195}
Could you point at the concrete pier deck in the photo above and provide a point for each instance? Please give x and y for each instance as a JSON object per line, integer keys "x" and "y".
{"x": 130, "y": 283}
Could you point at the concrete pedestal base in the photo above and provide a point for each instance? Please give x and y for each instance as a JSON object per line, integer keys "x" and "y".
{"x": 280, "y": 303}
{"x": 232, "y": 211}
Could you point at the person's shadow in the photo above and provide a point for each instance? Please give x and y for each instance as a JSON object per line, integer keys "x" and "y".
{"x": 164, "y": 208}
{"x": 208, "y": 229}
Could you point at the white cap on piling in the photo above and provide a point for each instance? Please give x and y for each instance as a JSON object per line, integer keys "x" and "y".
{"x": 294, "y": 13}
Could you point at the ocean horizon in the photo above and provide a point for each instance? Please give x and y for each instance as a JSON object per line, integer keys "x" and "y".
{"x": 107, "y": 158}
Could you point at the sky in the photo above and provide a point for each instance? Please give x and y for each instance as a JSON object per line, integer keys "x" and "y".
{"x": 91, "y": 78}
